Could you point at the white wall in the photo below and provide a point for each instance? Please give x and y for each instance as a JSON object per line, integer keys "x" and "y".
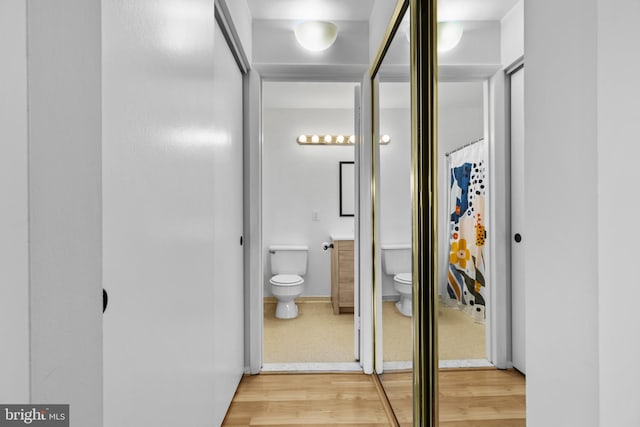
{"x": 14, "y": 252}
{"x": 512, "y": 34}
{"x": 65, "y": 206}
{"x": 618, "y": 293}
{"x": 299, "y": 179}
{"x": 460, "y": 121}
{"x": 561, "y": 236}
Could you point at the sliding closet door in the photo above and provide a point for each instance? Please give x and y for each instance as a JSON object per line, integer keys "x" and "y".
{"x": 172, "y": 185}
{"x": 228, "y": 313}
{"x": 517, "y": 220}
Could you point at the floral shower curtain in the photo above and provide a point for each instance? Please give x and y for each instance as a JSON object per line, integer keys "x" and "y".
{"x": 467, "y": 229}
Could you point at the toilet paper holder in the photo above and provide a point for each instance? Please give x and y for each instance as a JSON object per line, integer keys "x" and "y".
{"x": 326, "y": 245}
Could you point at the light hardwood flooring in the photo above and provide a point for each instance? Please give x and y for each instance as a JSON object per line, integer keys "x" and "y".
{"x": 469, "y": 398}
{"x": 346, "y": 399}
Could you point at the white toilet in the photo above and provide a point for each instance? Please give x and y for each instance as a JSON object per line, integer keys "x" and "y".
{"x": 288, "y": 265}
{"x": 396, "y": 262}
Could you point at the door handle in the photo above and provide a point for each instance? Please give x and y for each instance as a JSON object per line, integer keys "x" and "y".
{"x": 241, "y": 240}
{"x": 105, "y": 300}
{"x": 517, "y": 238}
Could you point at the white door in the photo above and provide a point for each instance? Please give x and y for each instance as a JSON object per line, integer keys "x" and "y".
{"x": 172, "y": 216}
{"x": 517, "y": 221}
{"x": 228, "y": 308}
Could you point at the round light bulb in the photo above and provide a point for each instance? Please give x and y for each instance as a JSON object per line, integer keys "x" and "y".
{"x": 449, "y": 35}
{"x": 316, "y": 36}
{"x": 302, "y": 139}
{"x": 340, "y": 139}
{"x": 386, "y": 139}
{"x": 315, "y": 139}
{"x": 352, "y": 139}
{"x": 328, "y": 139}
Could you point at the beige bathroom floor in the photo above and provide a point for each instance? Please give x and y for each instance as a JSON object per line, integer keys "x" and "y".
{"x": 318, "y": 335}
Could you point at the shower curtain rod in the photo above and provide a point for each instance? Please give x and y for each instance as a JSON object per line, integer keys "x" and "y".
{"x": 463, "y": 147}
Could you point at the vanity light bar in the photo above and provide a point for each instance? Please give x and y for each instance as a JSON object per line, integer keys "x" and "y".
{"x": 334, "y": 139}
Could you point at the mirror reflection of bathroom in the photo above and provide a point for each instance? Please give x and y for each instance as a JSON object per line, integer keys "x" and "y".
{"x": 394, "y": 244}
{"x": 308, "y": 223}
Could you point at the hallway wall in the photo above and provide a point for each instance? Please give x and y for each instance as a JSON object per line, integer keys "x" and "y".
{"x": 618, "y": 172}
{"x": 14, "y": 223}
{"x": 561, "y": 234}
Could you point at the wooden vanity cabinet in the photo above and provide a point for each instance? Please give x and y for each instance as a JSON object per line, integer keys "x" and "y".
{"x": 342, "y": 276}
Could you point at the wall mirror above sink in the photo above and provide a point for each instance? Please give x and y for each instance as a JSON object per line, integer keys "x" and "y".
{"x": 347, "y": 188}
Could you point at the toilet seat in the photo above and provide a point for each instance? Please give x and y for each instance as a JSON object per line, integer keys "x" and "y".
{"x": 286, "y": 280}
{"x": 403, "y": 278}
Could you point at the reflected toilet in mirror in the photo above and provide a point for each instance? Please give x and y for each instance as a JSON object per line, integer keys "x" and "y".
{"x": 396, "y": 262}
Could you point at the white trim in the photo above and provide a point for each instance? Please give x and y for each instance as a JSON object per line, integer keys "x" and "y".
{"x": 498, "y": 347}
{"x": 254, "y": 289}
{"x": 363, "y": 154}
{"x": 397, "y": 366}
{"x": 223, "y": 17}
{"x": 312, "y": 367}
{"x": 465, "y": 363}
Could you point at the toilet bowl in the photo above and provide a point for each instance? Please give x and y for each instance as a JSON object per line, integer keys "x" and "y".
{"x": 396, "y": 262}
{"x": 288, "y": 265}
{"x": 403, "y": 284}
{"x": 286, "y": 288}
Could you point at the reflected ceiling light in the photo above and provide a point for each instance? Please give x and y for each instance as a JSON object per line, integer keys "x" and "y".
{"x": 316, "y": 36}
{"x": 449, "y": 35}
{"x": 334, "y": 139}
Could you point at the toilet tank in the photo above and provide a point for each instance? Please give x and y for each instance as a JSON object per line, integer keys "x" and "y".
{"x": 396, "y": 259}
{"x": 288, "y": 259}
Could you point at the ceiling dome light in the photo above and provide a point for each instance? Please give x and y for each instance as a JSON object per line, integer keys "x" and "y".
{"x": 316, "y": 36}
{"x": 449, "y": 35}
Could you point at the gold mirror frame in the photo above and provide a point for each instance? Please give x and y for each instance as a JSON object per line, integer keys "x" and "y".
{"x": 423, "y": 65}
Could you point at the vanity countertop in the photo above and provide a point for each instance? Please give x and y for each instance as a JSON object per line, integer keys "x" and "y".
{"x": 335, "y": 237}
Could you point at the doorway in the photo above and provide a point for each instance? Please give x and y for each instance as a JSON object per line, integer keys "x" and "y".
{"x": 308, "y": 193}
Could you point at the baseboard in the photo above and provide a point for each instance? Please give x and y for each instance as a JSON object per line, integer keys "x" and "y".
{"x": 300, "y": 300}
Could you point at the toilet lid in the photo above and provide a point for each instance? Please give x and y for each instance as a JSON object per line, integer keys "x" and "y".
{"x": 286, "y": 279}
{"x": 403, "y": 277}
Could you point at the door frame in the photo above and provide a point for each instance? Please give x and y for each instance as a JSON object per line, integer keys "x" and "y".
{"x": 254, "y": 285}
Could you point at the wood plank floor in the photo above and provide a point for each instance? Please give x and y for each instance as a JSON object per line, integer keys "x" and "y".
{"x": 307, "y": 399}
{"x": 470, "y": 398}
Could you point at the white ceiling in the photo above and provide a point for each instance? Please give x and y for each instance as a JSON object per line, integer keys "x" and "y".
{"x": 341, "y": 95}
{"x": 360, "y": 10}
{"x": 331, "y": 10}
{"x": 473, "y": 10}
